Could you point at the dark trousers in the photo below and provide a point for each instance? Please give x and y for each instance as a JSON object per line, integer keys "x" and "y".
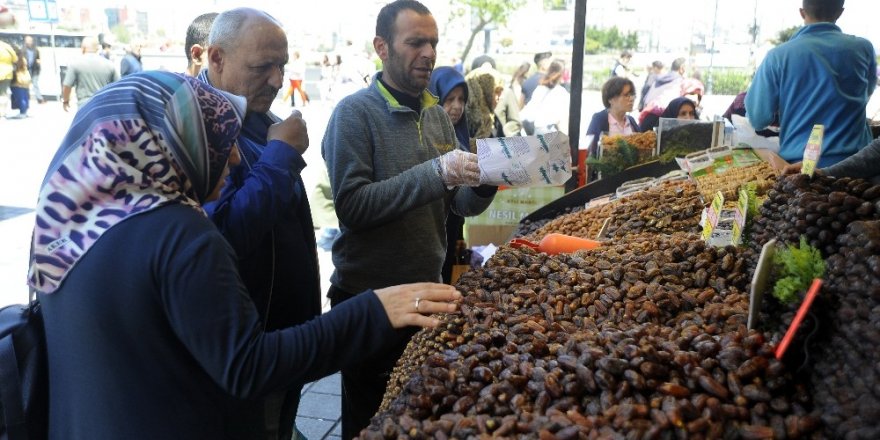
{"x": 363, "y": 385}
{"x": 20, "y": 99}
{"x": 268, "y": 418}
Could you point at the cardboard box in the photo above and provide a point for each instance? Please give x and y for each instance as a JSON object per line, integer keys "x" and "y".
{"x": 771, "y": 157}
{"x": 501, "y": 218}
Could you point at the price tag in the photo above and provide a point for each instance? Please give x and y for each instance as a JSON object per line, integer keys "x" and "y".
{"x": 712, "y": 215}
{"x": 813, "y": 150}
{"x": 740, "y": 216}
{"x": 603, "y": 229}
{"x": 759, "y": 282}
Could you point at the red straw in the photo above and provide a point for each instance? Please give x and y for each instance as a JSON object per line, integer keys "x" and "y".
{"x": 802, "y": 311}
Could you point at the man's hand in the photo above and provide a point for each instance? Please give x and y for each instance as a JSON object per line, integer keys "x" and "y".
{"x": 459, "y": 168}
{"x": 65, "y": 105}
{"x": 795, "y": 168}
{"x": 291, "y": 131}
{"x": 792, "y": 168}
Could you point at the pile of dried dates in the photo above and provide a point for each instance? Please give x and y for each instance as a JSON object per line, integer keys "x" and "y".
{"x": 845, "y": 376}
{"x": 819, "y": 208}
{"x": 642, "y": 338}
{"x": 528, "y": 227}
{"x": 664, "y": 209}
{"x": 645, "y": 336}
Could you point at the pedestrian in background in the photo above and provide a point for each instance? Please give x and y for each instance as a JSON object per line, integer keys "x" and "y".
{"x": 654, "y": 70}
{"x": 296, "y": 70}
{"x": 20, "y": 88}
{"x": 504, "y": 106}
{"x": 480, "y": 108}
{"x": 516, "y": 82}
{"x": 196, "y": 41}
{"x": 34, "y": 66}
{"x": 542, "y": 62}
{"x": 87, "y": 74}
{"x": 665, "y": 88}
{"x": 131, "y": 62}
{"x": 8, "y": 60}
{"x": 621, "y": 65}
{"x": 679, "y": 108}
{"x": 548, "y": 109}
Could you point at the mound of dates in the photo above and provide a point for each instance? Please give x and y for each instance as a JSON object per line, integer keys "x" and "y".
{"x": 819, "y": 208}
{"x": 528, "y": 227}
{"x": 845, "y": 378}
{"x": 667, "y": 208}
{"x": 643, "y": 338}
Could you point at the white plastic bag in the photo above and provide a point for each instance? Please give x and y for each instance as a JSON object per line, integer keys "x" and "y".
{"x": 744, "y": 136}
{"x": 525, "y": 161}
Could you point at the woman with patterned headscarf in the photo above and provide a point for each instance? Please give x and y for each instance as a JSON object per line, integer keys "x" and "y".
{"x": 482, "y": 122}
{"x": 149, "y": 329}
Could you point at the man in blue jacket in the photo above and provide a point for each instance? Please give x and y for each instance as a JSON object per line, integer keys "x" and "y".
{"x": 263, "y": 211}
{"x": 820, "y": 76}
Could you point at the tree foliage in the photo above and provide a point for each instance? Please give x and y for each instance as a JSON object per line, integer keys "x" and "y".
{"x": 482, "y": 13}
{"x": 729, "y": 81}
{"x": 555, "y": 5}
{"x": 122, "y": 34}
{"x": 785, "y": 35}
{"x": 600, "y": 40}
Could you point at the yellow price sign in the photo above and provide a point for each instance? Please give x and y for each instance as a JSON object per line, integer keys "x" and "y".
{"x": 712, "y": 215}
{"x": 741, "y": 215}
{"x": 813, "y": 150}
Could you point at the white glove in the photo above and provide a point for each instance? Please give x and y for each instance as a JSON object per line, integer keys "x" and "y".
{"x": 459, "y": 168}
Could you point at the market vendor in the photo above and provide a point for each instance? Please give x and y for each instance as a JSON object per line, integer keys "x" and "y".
{"x": 395, "y": 172}
{"x": 820, "y": 76}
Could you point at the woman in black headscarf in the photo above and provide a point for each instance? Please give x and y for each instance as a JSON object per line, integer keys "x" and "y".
{"x": 678, "y": 108}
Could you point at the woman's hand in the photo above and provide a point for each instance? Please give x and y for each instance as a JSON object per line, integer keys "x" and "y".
{"x": 407, "y": 304}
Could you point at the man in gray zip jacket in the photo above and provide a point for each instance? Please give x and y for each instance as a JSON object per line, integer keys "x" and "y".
{"x": 394, "y": 173}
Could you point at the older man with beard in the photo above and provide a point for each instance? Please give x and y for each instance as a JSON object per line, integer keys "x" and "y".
{"x": 263, "y": 211}
{"x": 395, "y": 172}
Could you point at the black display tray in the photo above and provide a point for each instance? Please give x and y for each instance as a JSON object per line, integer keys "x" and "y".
{"x": 582, "y": 195}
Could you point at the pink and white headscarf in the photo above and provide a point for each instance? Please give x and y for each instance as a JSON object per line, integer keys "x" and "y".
{"x": 145, "y": 141}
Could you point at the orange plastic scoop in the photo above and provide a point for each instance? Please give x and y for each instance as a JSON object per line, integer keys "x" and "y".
{"x": 553, "y": 244}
